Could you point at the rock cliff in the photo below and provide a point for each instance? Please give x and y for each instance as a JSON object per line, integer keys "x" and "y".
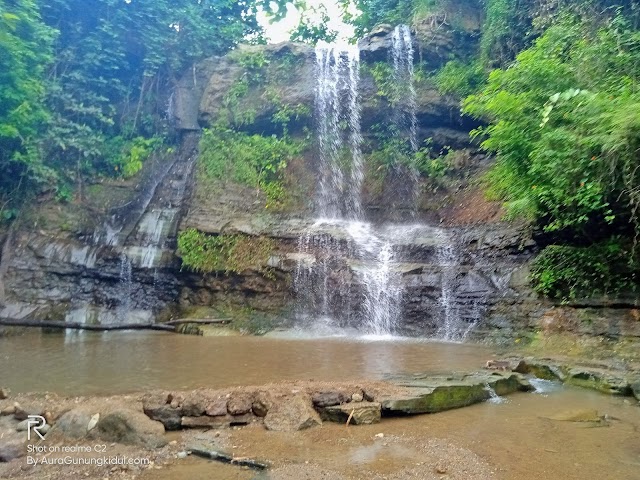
{"x": 97, "y": 263}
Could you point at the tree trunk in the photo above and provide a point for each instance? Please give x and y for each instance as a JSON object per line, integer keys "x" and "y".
{"x": 82, "y": 326}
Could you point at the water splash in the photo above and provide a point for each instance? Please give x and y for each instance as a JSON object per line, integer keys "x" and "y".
{"x": 383, "y": 290}
{"x": 493, "y": 396}
{"x": 152, "y": 231}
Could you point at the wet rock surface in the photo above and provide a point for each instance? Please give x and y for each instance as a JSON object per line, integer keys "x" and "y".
{"x": 355, "y": 413}
{"x": 432, "y": 394}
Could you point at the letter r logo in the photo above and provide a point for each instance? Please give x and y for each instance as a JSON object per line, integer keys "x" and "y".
{"x": 35, "y": 423}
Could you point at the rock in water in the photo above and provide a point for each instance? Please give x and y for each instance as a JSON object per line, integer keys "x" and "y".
{"x": 291, "y": 414}
{"x": 578, "y": 415}
{"x": 361, "y": 413}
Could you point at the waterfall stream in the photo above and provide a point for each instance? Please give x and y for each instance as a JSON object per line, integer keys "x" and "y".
{"x": 350, "y": 272}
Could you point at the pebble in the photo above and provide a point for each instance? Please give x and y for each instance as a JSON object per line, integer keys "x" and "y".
{"x": 379, "y": 435}
{"x": 4, "y": 393}
{"x": 8, "y": 411}
{"x": 356, "y": 397}
{"x": 441, "y": 470}
{"x": 182, "y": 454}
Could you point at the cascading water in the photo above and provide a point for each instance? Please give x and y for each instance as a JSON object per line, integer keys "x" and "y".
{"x": 407, "y": 189}
{"x": 348, "y": 271}
{"x": 338, "y": 75}
{"x": 402, "y": 51}
{"x": 126, "y": 287}
{"x": 323, "y": 286}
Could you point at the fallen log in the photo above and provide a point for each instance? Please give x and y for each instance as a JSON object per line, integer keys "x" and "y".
{"x": 202, "y": 321}
{"x": 226, "y": 458}
{"x": 83, "y": 326}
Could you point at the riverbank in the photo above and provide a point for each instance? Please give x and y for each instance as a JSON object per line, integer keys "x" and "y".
{"x": 308, "y": 429}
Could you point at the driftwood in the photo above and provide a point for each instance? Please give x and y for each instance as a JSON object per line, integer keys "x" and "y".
{"x": 202, "y": 321}
{"x": 226, "y": 458}
{"x": 83, "y": 326}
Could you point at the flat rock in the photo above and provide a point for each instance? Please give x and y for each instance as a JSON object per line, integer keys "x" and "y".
{"x": 578, "y": 415}
{"x": 605, "y": 382}
{"x": 205, "y": 421}
{"x": 431, "y": 394}
{"x": 291, "y": 414}
{"x": 362, "y": 413}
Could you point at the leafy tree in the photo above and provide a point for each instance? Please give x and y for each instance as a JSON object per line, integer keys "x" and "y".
{"x": 25, "y": 53}
{"x": 563, "y": 127}
{"x": 112, "y": 59}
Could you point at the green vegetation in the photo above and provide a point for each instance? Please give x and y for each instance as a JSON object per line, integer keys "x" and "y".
{"x": 459, "y": 78}
{"x": 564, "y": 126}
{"x": 558, "y": 92}
{"x": 224, "y": 253}
{"x": 254, "y": 160}
{"x": 566, "y": 272}
{"x": 81, "y": 84}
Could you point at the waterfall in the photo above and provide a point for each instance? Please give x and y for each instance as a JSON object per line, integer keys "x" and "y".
{"x": 461, "y": 308}
{"x": 405, "y": 111}
{"x": 323, "y": 282}
{"x": 348, "y": 271}
{"x": 336, "y": 101}
{"x": 402, "y": 52}
{"x": 447, "y": 260}
{"x": 126, "y": 287}
{"x": 383, "y": 290}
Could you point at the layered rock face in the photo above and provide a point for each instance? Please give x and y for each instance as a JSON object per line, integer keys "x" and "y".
{"x": 461, "y": 273}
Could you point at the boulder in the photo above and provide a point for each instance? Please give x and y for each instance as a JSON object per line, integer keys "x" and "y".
{"x": 167, "y": 414}
{"x": 635, "y": 388}
{"x": 239, "y": 403}
{"x": 262, "y": 402}
{"x": 194, "y": 405}
{"x": 10, "y": 450}
{"x": 217, "y": 407}
{"x": 361, "y": 413}
{"x": 329, "y": 399}
{"x": 542, "y": 370}
{"x": 291, "y": 414}
{"x": 130, "y": 427}
{"x": 74, "y": 423}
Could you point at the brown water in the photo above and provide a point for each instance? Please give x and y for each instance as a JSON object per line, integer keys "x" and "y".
{"x": 120, "y": 362}
{"x": 516, "y": 439}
